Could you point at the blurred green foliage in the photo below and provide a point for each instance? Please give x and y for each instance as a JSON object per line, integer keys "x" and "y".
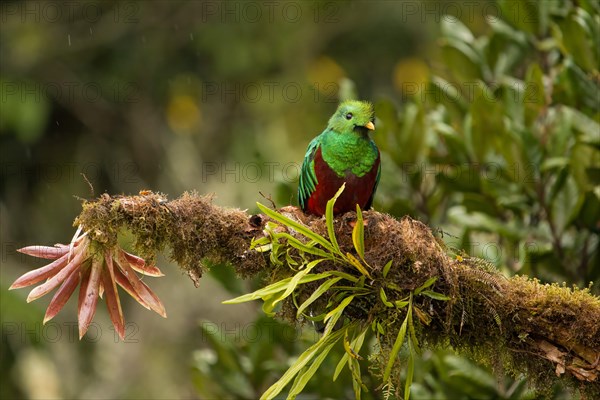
{"x": 488, "y": 118}
{"x": 492, "y": 151}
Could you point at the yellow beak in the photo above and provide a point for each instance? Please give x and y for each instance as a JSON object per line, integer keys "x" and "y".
{"x": 370, "y": 126}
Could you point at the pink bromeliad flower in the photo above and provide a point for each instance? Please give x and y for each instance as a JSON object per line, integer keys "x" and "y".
{"x": 97, "y": 275}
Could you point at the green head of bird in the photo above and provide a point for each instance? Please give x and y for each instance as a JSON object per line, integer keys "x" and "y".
{"x": 353, "y": 116}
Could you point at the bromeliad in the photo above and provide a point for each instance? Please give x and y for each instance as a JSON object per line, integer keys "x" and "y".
{"x": 97, "y": 273}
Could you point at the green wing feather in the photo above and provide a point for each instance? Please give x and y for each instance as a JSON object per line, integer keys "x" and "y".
{"x": 308, "y": 178}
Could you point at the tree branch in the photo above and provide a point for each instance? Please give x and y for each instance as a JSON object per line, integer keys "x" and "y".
{"x": 548, "y": 332}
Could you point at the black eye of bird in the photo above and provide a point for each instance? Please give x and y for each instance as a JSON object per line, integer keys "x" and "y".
{"x": 349, "y": 116}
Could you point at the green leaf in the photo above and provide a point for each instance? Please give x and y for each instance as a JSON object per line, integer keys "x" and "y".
{"x": 427, "y": 283}
{"x": 356, "y": 289}
{"x": 316, "y": 294}
{"x": 361, "y": 281}
{"x": 355, "y": 345}
{"x": 295, "y": 281}
{"x": 305, "y": 247}
{"x": 303, "y": 378}
{"x": 482, "y": 222}
{"x": 412, "y": 135}
{"x": 358, "y": 234}
{"x": 301, "y": 362}
{"x": 401, "y": 303}
{"x": 357, "y": 384}
{"x": 353, "y": 365}
{"x": 276, "y": 288}
{"x": 553, "y": 163}
{"x": 462, "y": 60}
{"x": 435, "y": 295}
{"x": 535, "y": 94}
{"x": 487, "y": 123}
{"x": 411, "y": 328}
{"x": 384, "y": 299}
{"x": 453, "y": 27}
{"x": 334, "y": 315}
{"x": 503, "y": 29}
{"x": 523, "y": 14}
{"x": 409, "y": 372}
{"x": 583, "y": 159}
{"x": 589, "y": 211}
{"x": 269, "y": 304}
{"x": 503, "y": 51}
{"x": 352, "y": 260}
{"x": 444, "y": 92}
{"x": 257, "y": 244}
{"x": 329, "y": 218}
{"x": 296, "y": 226}
{"x": 344, "y": 275}
{"x": 576, "y": 38}
{"x": 340, "y": 366}
{"x": 588, "y": 128}
{"x": 395, "y": 350}
{"x": 290, "y": 260}
{"x": 386, "y": 268}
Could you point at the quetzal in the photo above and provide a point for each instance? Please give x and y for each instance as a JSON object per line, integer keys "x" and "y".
{"x": 343, "y": 152}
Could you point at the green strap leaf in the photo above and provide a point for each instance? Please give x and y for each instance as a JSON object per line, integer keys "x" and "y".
{"x": 411, "y": 328}
{"x": 334, "y": 315}
{"x": 357, "y": 384}
{"x": 386, "y": 268}
{"x": 352, "y": 260}
{"x": 435, "y": 295}
{"x": 358, "y": 234}
{"x": 401, "y": 303}
{"x": 427, "y": 283}
{"x": 409, "y": 372}
{"x": 300, "y": 363}
{"x": 354, "y": 365}
{"x": 305, "y": 247}
{"x": 316, "y": 294}
{"x": 305, "y": 376}
{"x": 269, "y": 305}
{"x": 344, "y": 275}
{"x": 275, "y": 288}
{"x": 295, "y": 281}
{"x": 329, "y": 218}
{"x": 384, "y": 299}
{"x": 355, "y": 346}
{"x": 396, "y": 348}
{"x": 296, "y": 226}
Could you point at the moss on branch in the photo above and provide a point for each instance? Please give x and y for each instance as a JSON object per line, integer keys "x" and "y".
{"x": 547, "y": 332}
{"x": 192, "y": 228}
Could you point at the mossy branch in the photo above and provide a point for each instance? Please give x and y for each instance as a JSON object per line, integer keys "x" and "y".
{"x": 546, "y": 332}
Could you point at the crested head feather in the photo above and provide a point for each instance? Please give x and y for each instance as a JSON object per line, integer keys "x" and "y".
{"x": 352, "y": 116}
